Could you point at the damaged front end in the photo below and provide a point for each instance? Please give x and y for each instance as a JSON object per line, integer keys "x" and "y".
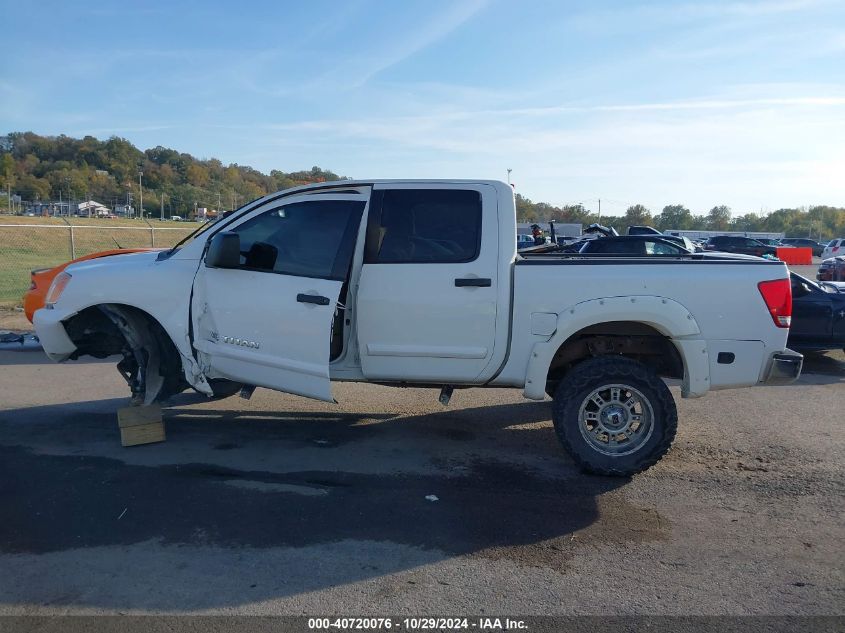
{"x": 151, "y": 364}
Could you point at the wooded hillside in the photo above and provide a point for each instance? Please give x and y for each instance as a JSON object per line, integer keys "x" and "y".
{"x": 47, "y": 167}
{"x": 43, "y": 168}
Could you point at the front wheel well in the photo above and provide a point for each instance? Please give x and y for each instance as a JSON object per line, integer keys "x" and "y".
{"x": 151, "y": 364}
{"x": 628, "y": 339}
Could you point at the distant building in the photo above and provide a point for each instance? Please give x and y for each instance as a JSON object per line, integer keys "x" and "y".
{"x": 49, "y": 208}
{"x": 92, "y": 208}
{"x": 126, "y": 210}
{"x": 204, "y": 213}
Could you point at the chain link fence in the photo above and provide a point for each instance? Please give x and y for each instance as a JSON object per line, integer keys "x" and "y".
{"x": 25, "y": 247}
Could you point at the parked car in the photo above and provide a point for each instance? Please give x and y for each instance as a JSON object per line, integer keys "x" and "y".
{"x": 574, "y": 246}
{"x": 831, "y": 269}
{"x": 683, "y": 242}
{"x": 818, "y": 314}
{"x": 680, "y": 240}
{"x": 804, "y": 242}
{"x": 42, "y": 278}
{"x": 417, "y": 282}
{"x": 565, "y": 240}
{"x": 639, "y": 245}
{"x": 768, "y": 241}
{"x": 834, "y": 248}
{"x": 524, "y": 240}
{"x": 738, "y": 244}
{"x": 643, "y": 230}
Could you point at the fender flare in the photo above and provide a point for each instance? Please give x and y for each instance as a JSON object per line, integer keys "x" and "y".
{"x": 665, "y": 315}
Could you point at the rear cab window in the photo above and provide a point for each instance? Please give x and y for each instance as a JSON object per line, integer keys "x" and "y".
{"x": 424, "y": 226}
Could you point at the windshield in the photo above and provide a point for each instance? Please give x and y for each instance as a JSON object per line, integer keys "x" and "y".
{"x": 202, "y": 228}
{"x": 809, "y": 282}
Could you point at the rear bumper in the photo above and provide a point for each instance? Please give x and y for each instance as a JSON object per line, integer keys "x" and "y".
{"x": 784, "y": 368}
{"x": 52, "y": 335}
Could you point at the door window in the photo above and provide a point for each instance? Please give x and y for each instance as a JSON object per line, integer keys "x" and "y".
{"x": 305, "y": 239}
{"x": 661, "y": 248}
{"x": 426, "y": 226}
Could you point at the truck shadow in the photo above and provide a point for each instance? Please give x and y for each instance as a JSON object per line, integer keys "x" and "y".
{"x": 830, "y": 364}
{"x": 335, "y": 498}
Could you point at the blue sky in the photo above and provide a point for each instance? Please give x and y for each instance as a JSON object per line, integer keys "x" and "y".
{"x": 701, "y": 103}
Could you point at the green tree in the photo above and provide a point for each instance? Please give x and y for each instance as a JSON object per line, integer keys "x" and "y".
{"x": 31, "y": 188}
{"x": 7, "y": 169}
{"x": 674, "y": 216}
{"x": 747, "y": 222}
{"x": 637, "y": 214}
{"x": 197, "y": 175}
{"x": 719, "y": 218}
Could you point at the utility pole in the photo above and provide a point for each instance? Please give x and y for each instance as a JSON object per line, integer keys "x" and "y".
{"x": 218, "y": 205}
{"x": 599, "y": 209}
{"x": 141, "y": 192}
{"x": 509, "y": 175}
{"x": 162, "y": 206}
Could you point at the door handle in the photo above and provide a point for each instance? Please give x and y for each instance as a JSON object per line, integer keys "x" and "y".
{"x": 317, "y": 299}
{"x": 473, "y": 282}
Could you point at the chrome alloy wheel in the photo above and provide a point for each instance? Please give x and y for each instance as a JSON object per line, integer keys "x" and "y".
{"x": 616, "y": 419}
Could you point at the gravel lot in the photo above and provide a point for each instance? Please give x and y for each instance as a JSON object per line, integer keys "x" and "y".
{"x": 281, "y": 505}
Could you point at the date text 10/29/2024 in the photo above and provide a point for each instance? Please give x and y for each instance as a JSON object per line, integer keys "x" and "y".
{"x": 416, "y": 624}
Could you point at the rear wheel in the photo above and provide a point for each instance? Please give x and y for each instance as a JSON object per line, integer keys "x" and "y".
{"x": 614, "y": 416}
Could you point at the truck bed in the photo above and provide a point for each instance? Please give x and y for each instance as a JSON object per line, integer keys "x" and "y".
{"x": 717, "y": 293}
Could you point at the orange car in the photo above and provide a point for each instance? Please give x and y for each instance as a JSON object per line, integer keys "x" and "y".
{"x": 42, "y": 278}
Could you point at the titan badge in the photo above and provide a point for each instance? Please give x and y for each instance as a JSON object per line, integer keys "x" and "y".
{"x": 231, "y": 340}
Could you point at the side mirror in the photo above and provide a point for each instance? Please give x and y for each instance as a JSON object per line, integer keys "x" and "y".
{"x": 224, "y": 251}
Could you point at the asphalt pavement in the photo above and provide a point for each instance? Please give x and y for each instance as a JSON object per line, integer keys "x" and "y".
{"x": 389, "y": 502}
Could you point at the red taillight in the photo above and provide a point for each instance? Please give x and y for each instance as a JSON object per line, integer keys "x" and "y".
{"x": 778, "y": 297}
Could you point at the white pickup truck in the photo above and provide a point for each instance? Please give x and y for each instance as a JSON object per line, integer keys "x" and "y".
{"x": 419, "y": 283}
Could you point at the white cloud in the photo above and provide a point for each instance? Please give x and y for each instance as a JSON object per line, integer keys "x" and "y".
{"x": 392, "y": 50}
{"x": 747, "y": 153}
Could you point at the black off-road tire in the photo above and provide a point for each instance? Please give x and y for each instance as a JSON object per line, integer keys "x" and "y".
{"x": 592, "y": 374}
